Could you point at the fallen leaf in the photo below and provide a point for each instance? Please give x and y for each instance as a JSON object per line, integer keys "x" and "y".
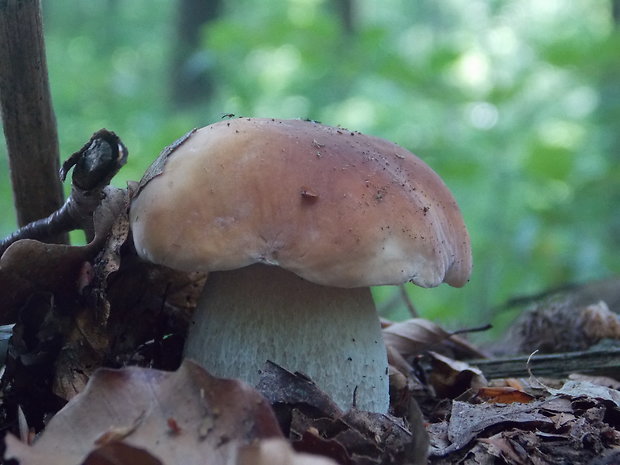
{"x": 503, "y": 395}
{"x": 414, "y": 336}
{"x": 280, "y": 386}
{"x": 451, "y": 378}
{"x": 278, "y": 452}
{"x": 119, "y": 453}
{"x": 315, "y": 424}
{"x": 29, "y": 266}
{"x": 587, "y": 389}
{"x": 598, "y": 380}
{"x": 138, "y": 402}
{"x": 506, "y": 446}
{"x": 417, "y": 335}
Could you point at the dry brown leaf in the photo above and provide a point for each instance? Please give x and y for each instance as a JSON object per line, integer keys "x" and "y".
{"x": 278, "y": 452}
{"x": 514, "y": 383}
{"x": 417, "y": 335}
{"x": 598, "y": 380}
{"x": 502, "y": 445}
{"x": 29, "y": 266}
{"x": 280, "y": 386}
{"x": 119, "y": 453}
{"x": 414, "y": 336}
{"x": 587, "y": 389}
{"x": 579, "y": 425}
{"x": 503, "y": 395}
{"x": 316, "y": 425}
{"x": 396, "y": 360}
{"x": 450, "y": 378}
{"x": 214, "y": 417}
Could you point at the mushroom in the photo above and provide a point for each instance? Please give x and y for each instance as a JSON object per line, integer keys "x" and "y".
{"x": 294, "y": 221}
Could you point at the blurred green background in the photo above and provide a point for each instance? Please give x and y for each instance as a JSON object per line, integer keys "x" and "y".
{"x": 515, "y": 103}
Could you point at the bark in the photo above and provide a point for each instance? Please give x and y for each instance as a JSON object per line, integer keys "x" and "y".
{"x": 27, "y": 114}
{"x": 592, "y": 362}
{"x": 608, "y": 121}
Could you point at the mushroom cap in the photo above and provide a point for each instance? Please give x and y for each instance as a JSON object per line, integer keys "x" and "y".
{"x": 336, "y": 207}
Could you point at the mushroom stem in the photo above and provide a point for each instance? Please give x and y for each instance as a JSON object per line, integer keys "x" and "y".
{"x": 258, "y": 313}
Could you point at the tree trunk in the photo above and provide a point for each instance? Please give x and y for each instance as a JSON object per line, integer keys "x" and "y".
{"x": 609, "y": 122}
{"x": 27, "y": 114}
{"x": 345, "y": 10}
{"x": 191, "y": 80}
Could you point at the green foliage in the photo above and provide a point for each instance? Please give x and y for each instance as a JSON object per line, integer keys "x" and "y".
{"x": 514, "y": 103}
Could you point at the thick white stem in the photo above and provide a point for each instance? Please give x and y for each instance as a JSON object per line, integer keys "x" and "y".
{"x": 260, "y": 313}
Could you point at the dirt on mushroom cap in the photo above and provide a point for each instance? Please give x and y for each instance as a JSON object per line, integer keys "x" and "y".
{"x": 334, "y": 206}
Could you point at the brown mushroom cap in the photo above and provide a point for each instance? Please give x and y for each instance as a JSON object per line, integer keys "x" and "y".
{"x": 336, "y": 207}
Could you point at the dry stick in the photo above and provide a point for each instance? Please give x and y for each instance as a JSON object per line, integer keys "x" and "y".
{"x": 408, "y": 303}
{"x": 95, "y": 165}
{"x": 592, "y": 362}
{"x": 475, "y": 329}
{"x": 395, "y": 300}
{"x": 27, "y": 114}
{"x": 390, "y": 304}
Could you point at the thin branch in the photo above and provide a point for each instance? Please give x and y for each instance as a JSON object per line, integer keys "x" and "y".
{"x": 475, "y": 329}
{"x": 408, "y": 303}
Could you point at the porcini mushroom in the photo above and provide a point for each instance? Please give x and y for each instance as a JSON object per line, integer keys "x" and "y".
{"x": 294, "y": 221}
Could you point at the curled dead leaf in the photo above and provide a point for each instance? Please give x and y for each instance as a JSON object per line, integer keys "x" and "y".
{"x": 503, "y": 395}
{"x": 29, "y": 266}
{"x": 450, "y": 378}
{"x": 278, "y": 452}
{"x": 135, "y": 404}
{"x": 316, "y": 425}
{"x": 416, "y": 335}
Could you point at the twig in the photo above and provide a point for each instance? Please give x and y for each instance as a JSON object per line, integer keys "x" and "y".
{"x": 475, "y": 329}
{"x": 408, "y": 303}
{"x": 95, "y": 165}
